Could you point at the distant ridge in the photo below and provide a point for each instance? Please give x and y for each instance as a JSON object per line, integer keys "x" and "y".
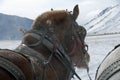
{"x": 106, "y": 22}
{"x": 9, "y": 25}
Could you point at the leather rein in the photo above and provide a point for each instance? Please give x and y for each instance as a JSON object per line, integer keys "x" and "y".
{"x": 81, "y": 44}
{"x": 56, "y": 47}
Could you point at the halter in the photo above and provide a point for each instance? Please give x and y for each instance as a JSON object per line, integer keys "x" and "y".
{"x": 74, "y": 26}
{"x": 54, "y": 45}
{"x": 83, "y": 50}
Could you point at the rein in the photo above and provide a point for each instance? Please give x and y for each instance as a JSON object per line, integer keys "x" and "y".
{"x": 74, "y": 26}
{"x": 81, "y": 44}
{"x": 55, "y": 48}
{"x": 78, "y": 40}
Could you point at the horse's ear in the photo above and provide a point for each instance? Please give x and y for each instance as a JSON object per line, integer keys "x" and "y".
{"x": 75, "y": 12}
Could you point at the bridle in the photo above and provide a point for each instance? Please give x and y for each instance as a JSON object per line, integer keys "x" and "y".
{"x": 60, "y": 53}
{"x": 74, "y": 26}
{"x": 55, "y": 47}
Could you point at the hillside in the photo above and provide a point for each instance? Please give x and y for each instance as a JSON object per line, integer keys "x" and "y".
{"x": 10, "y": 24}
{"x": 106, "y": 22}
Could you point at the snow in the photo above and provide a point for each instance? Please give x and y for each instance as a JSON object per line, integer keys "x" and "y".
{"x": 9, "y": 44}
{"x": 107, "y": 21}
{"x": 99, "y": 47}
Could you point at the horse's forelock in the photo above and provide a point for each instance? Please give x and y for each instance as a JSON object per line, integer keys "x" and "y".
{"x": 51, "y": 17}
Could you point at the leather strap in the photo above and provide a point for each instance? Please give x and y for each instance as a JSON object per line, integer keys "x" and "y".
{"x": 48, "y": 42}
{"x": 12, "y": 69}
{"x": 25, "y": 50}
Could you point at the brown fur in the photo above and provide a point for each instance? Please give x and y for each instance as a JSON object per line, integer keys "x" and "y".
{"x": 60, "y": 21}
{"x": 19, "y": 61}
{"x": 5, "y": 76}
{"x": 59, "y": 16}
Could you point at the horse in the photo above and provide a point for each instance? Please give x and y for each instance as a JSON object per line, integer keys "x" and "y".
{"x": 49, "y": 50}
{"x": 109, "y": 69}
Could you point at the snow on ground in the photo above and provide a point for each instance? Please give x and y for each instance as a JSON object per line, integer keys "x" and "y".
{"x": 8, "y": 44}
{"x": 99, "y": 47}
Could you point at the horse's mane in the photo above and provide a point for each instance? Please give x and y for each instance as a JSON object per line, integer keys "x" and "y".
{"x": 56, "y": 17}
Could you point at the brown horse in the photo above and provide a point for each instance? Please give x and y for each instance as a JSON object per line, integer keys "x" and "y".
{"x": 49, "y": 51}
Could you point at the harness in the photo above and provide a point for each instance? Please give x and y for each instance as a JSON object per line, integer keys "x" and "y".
{"x": 74, "y": 26}
{"x": 57, "y": 47}
{"x": 12, "y": 69}
{"x": 53, "y": 44}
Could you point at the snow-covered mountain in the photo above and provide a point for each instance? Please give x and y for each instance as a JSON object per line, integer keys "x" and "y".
{"x": 106, "y": 22}
{"x": 10, "y": 24}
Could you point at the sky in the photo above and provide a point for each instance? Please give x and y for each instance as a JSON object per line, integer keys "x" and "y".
{"x": 32, "y": 8}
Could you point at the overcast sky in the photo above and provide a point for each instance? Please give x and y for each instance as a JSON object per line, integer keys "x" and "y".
{"x": 32, "y": 8}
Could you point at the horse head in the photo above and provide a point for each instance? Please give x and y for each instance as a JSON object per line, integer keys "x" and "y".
{"x": 63, "y": 26}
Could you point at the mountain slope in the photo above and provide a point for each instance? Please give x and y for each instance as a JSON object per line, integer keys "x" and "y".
{"x": 9, "y": 26}
{"x": 106, "y": 22}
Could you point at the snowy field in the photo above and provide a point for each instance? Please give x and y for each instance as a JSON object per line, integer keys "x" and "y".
{"x": 99, "y": 47}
